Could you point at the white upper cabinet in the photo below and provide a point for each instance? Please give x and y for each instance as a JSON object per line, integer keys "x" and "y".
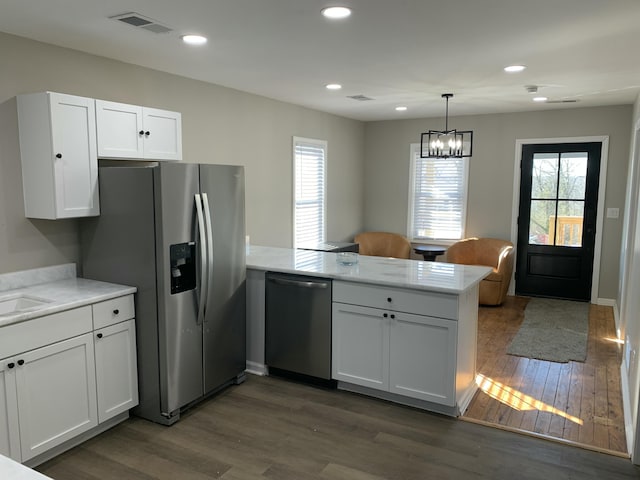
{"x": 58, "y": 153}
{"x": 133, "y": 132}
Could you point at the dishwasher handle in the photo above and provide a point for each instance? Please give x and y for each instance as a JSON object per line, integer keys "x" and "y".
{"x": 297, "y": 283}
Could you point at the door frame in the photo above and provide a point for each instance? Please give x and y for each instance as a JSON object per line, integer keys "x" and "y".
{"x": 604, "y": 151}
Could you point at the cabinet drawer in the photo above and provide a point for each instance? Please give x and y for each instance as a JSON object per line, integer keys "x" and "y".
{"x": 40, "y": 331}
{"x": 418, "y": 302}
{"x": 113, "y": 311}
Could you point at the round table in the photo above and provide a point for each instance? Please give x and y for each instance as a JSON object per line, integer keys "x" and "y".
{"x": 429, "y": 252}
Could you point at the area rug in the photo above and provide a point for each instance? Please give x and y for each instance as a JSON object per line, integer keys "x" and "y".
{"x": 553, "y": 330}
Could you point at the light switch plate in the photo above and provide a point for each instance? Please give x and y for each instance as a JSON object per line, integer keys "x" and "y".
{"x": 613, "y": 212}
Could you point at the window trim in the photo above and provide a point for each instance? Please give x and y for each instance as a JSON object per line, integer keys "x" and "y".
{"x": 414, "y": 153}
{"x": 321, "y": 144}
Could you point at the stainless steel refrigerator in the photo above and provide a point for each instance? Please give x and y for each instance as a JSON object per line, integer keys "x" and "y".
{"x": 177, "y": 233}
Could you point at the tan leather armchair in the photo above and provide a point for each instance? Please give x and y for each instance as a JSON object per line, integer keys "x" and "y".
{"x": 383, "y": 244}
{"x": 491, "y": 252}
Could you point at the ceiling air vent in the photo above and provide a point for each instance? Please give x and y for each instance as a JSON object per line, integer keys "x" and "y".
{"x": 360, "y": 98}
{"x": 137, "y": 20}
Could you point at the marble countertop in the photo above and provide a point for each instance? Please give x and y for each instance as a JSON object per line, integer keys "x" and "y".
{"x": 10, "y": 469}
{"x": 394, "y": 272}
{"x": 59, "y": 286}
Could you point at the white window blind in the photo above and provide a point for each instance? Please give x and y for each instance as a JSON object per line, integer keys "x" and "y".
{"x": 310, "y": 158}
{"x": 437, "y": 197}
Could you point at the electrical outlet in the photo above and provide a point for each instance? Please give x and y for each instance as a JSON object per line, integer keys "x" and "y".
{"x": 613, "y": 212}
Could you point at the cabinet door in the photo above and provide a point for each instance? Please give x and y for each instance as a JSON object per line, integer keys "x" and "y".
{"x": 9, "y": 433}
{"x": 360, "y": 346}
{"x": 116, "y": 369}
{"x": 163, "y": 134}
{"x": 58, "y": 155}
{"x": 423, "y": 357}
{"x": 56, "y": 394}
{"x": 120, "y": 130}
{"x": 74, "y": 148}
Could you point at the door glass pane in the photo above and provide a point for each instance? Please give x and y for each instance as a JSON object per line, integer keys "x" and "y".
{"x": 544, "y": 175}
{"x": 542, "y": 216}
{"x": 573, "y": 175}
{"x": 568, "y": 231}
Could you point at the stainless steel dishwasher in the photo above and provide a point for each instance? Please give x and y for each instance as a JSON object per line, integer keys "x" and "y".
{"x": 298, "y": 326}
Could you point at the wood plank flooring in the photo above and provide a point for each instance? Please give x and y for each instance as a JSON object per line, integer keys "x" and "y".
{"x": 269, "y": 428}
{"x": 577, "y": 402}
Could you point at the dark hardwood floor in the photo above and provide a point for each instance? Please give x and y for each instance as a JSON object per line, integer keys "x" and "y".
{"x": 269, "y": 428}
{"x": 575, "y": 401}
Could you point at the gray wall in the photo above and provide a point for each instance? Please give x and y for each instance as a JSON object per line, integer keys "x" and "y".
{"x": 220, "y": 125}
{"x": 491, "y": 171}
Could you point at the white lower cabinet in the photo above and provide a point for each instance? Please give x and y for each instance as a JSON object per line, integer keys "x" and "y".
{"x": 411, "y": 355}
{"x": 9, "y": 427}
{"x": 56, "y": 392}
{"x": 388, "y": 339}
{"x": 422, "y": 358}
{"x": 360, "y": 346}
{"x": 64, "y": 378}
{"x": 116, "y": 370}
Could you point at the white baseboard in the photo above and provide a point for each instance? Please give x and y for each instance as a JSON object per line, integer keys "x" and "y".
{"x": 607, "y": 302}
{"x": 257, "y": 368}
{"x": 626, "y": 407}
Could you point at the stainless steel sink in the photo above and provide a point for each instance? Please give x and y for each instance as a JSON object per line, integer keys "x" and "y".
{"x": 18, "y": 303}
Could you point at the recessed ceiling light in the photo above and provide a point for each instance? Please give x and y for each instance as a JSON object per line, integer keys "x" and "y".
{"x": 540, "y": 99}
{"x": 336, "y": 12}
{"x": 194, "y": 39}
{"x": 401, "y": 109}
{"x": 514, "y": 68}
{"x": 333, "y": 86}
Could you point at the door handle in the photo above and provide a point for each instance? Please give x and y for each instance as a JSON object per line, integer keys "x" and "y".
{"x": 203, "y": 260}
{"x": 298, "y": 283}
{"x": 208, "y": 225}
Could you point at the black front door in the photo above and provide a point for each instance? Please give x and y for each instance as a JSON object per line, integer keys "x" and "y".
{"x": 557, "y": 219}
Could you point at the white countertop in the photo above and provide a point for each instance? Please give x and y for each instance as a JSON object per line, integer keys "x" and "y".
{"x": 12, "y": 470}
{"x": 59, "y": 286}
{"x": 394, "y": 272}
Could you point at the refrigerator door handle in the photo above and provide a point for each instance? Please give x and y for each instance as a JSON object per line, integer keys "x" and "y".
{"x": 207, "y": 217}
{"x": 204, "y": 288}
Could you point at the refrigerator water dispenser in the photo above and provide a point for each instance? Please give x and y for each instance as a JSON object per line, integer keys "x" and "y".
{"x": 183, "y": 267}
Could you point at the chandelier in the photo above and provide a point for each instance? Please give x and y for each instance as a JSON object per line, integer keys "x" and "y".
{"x": 446, "y": 143}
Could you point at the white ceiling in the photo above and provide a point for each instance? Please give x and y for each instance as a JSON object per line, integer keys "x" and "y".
{"x": 397, "y": 52}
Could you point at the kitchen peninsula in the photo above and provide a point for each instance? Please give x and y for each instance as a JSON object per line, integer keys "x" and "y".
{"x": 402, "y": 330}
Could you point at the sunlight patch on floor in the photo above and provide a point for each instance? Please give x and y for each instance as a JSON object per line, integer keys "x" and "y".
{"x": 518, "y": 400}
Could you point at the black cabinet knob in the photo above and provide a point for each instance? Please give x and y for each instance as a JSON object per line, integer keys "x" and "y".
{"x": 116, "y": 311}
{"x": 393, "y": 316}
{"x": 388, "y": 299}
{"x": 147, "y": 133}
{"x": 11, "y": 365}
{"x": 20, "y": 362}
{"x": 99, "y": 335}
{"x": 58, "y": 155}
{"x": 141, "y": 132}
{"x": 385, "y": 315}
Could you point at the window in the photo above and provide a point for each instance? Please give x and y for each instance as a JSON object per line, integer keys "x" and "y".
{"x": 437, "y": 197}
{"x": 309, "y": 165}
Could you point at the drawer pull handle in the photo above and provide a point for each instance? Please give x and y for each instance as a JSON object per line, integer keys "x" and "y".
{"x": 11, "y": 365}
{"x": 20, "y": 362}
{"x": 99, "y": 335}
{"x": 116, "y": 311}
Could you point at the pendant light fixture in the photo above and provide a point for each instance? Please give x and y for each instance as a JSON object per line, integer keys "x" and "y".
{"x": 446, "y": 143}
